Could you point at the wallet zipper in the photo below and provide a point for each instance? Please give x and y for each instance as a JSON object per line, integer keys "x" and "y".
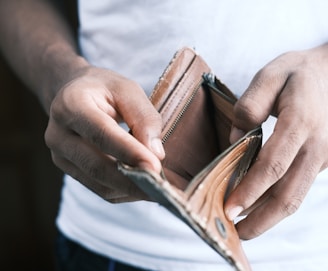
{"x": 209, "y": 80}
{"x": 183, "y": 110}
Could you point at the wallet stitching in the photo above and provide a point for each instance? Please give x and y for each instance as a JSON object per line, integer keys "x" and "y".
{"x": 184, "y": 79}
{"x": 162, "y": 79}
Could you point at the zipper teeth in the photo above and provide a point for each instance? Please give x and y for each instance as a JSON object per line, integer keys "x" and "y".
{"x": 181, "y": 113}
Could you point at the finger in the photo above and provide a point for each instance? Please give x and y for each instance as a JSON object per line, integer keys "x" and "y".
{"x": 272, "y": 163}
{"x": 142, "y": 118}
{"x": 283, "y": 199}
{"x": 86, "y": 163}
{"x": 256, "y": 104}
{"x": 73, "y": 171}
{"x": 97, "y": 127}
{"x": 92, "y": 113}
{"x": 109, "y": 194}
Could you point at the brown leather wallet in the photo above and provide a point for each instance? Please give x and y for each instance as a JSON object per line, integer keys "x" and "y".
{"x": 201, "y": 167}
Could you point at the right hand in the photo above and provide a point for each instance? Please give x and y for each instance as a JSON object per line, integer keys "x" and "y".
{"x": 292, "y": 87}
{"x": 86, "y": 140}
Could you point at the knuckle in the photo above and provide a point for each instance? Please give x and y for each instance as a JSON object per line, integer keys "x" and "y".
{"x": 251, "y": 107}
{"x": 298, "y": 123}
{"x": 93, "y": 169}
{"x": 53, "y": 138}
{"x": 58, "y": 111}
{"x": 97, "y": 137}
{"x": 270, "y": 75}
{"x": 49, "y": 137}
{"x": 274, "y": 170}
{"x": 259, "y": 78}
{"x": 294, "y": 136}
{"x": 52, "y": 134}
{"x": 286, "y": 205}
{"x": 313, "y": 160}
{"x": 290, "y": 206}
{"x": 248, "y": 110}
{"x": 293, "y": 140}
{"x": 91, "y": 166}
{"x": 96, "y": 172}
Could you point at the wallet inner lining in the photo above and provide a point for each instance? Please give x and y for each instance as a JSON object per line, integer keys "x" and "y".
{"x": 201, "y": 134}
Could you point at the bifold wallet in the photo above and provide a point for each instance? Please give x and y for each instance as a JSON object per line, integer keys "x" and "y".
{"x": 201, "y": 167}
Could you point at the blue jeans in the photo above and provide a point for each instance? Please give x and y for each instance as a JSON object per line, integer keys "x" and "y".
{"x": 70, "y": 256}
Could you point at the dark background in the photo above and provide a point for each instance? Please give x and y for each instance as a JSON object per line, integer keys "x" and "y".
{"x": 29, "y": 182}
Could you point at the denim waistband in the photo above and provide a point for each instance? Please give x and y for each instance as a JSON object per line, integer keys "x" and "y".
{"x": 71, "y": 256}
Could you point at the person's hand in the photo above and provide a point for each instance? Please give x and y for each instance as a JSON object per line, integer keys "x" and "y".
{"x": 85, "y": 137}
{"x": 294, "y": 88}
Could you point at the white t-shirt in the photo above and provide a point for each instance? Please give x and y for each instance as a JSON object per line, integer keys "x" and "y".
{"x": 137, "y": 39}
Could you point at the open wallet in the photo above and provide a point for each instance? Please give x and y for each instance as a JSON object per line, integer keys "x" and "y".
{"x": 201, "y": 167}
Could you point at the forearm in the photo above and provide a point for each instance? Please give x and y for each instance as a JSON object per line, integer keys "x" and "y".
{"x": 39, "y": 46}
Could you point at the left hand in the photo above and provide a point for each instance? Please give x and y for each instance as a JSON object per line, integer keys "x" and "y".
{"x": 294, "y": 88}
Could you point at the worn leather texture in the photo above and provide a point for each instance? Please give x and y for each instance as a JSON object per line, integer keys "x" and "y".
{"x": 201, "y": 167}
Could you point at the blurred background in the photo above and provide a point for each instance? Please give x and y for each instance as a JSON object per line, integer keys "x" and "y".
{"x": 29, "y": 181}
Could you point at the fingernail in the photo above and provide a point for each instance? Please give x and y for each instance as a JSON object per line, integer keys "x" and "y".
{"x": 234, "y": 212}
{"x": 236, "y": 134}
{"x": 157, "y": 148}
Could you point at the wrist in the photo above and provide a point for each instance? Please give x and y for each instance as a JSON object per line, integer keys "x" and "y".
{"x": 62, "y": 65}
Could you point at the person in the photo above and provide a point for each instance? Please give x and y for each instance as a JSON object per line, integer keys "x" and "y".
{"x": 272, "y": 54}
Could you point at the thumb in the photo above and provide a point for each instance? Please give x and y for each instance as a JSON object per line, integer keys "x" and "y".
{"x": 259, "y": 99}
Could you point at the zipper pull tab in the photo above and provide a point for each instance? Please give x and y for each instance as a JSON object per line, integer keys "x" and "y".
{"x": 209, "y": 78}
{"x": 215, "y": 85}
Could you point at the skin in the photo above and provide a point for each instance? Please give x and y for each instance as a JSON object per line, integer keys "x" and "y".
{"x": 294, "y": 88}
{"x": 85, "y": 105}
